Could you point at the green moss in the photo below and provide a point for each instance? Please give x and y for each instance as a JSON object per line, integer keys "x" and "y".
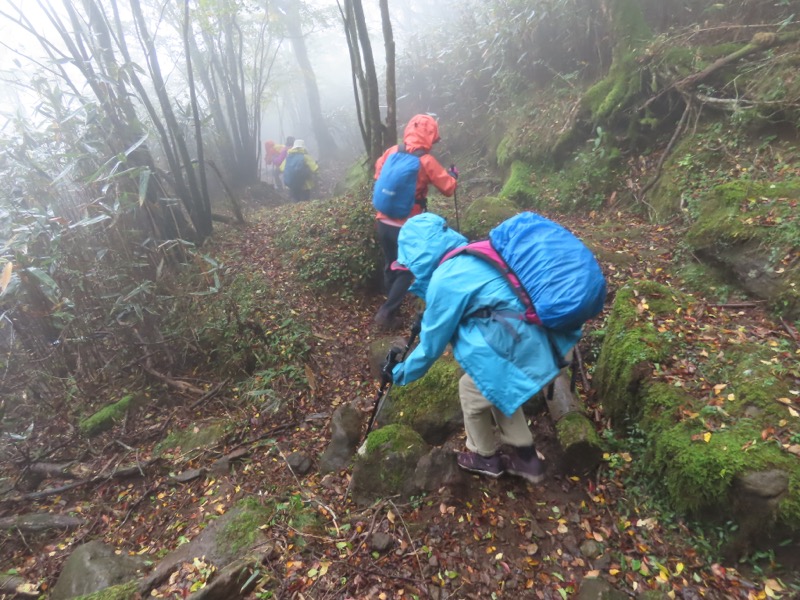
{"x": 632, "y": 345}
{"x": 517, "y": 187}
{"x": 105, "y": 418}
{"x": 396, "y": 438}
{"x": 433, "y": 395}
{"x": 575, "y": 427}
{"x": 484, "y": 214}
{"x": 699, "y": 436}
{"x": 241, "y": 532}
{"x": 123, "y": 591}
{"x": 741, "y": 210}
{"x": 192, "y": 438}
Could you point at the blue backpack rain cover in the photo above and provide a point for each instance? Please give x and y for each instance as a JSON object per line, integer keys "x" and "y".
{"x": 296, "y": 171}
{"x": 559, "y": 273}
{"x": 394, "y": 190}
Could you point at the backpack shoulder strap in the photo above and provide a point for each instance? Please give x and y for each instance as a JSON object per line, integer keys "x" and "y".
{"x": 484, "y": 250}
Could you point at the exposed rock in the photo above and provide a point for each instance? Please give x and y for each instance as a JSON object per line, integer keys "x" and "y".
{"x": 299, "y": 463}
{"x": 381, "y": 542}
{"x": 345, "y": 435}
{"x": 430, "y": 406}
{"x": 235, "y": 580}
{"x": 221, "y": 542}
{"x": 439, "y": 469}
{"x": 387, "y": 465}
{"x": 188, "y": 475}
{"x": 591, "y": 549}
{"x": 599, "y": 589}
{"x": 92, "y": 567}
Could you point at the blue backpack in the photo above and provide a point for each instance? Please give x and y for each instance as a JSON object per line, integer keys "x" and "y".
{"x": 396, "y": 186}
{"x": 296, "y": 171}
{"x": 553, "y": 273}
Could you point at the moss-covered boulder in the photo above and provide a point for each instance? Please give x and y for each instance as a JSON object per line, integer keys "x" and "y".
{"x": 702, "y": 400}
{"x": 386, "y": 465}
{"x": 752, "y": 229}
{"x": 518, "y": 188}
{"x": 95, "y": 566}
{"x": 486, "y": 213}
{"x": 430, "y": 406}
{"x": 632, "y": 346}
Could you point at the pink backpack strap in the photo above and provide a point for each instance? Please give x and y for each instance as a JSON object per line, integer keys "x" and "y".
{"x": 486, "y": 252}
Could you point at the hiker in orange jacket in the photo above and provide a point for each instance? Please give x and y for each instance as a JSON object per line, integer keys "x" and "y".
{"x": 421, "y": 133}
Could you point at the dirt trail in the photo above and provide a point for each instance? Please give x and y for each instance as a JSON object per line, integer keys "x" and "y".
{"x": 503, "y": 538}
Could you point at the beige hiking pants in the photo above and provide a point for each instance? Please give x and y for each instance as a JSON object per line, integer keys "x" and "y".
{"x": 485, "y": 424}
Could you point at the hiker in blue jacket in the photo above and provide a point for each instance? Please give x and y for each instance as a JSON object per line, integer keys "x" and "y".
{"x": 506, "y": 361}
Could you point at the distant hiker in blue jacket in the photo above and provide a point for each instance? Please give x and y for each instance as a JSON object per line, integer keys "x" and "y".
{"x": 506, "y": 360}
{"x": 298, "y": 170}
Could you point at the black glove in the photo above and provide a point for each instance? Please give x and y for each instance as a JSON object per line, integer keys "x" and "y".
{"x": 453, "y": 172}
{"x": 388, "y": 365}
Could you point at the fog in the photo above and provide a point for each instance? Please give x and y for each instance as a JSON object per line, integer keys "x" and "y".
{"x": 285, "y": 109}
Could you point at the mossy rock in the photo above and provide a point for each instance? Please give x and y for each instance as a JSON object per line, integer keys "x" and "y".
{"x": 386, "y": 467}
{"x": 703, "y": 434}
{"x": 752, "y": 229}
{"x": 105, "y": 418}
{"x": 518, "y": 188}
{"x": 430, "y": 406}
{"x": 633, "y": 345}
{"x": 486, "y": 213}
{"x": 192, "y": 438}
{"x": 124, "y": 591}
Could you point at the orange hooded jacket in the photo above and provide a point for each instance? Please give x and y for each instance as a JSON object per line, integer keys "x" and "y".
{"x": 421, "y": 133}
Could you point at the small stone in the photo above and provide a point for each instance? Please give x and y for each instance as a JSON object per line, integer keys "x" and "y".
{"x": 299, "y": 463}
{"x": 590, "y": 549}
{"x": 381, "y": 542}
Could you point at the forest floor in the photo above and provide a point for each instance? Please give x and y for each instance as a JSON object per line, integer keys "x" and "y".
{"x": 503, "y": 538}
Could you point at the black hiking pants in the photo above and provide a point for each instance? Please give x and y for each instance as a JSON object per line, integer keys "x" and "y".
{"x": 396, "y": 283}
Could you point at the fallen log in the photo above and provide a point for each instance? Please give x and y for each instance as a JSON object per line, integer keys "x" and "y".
{"x": 575, "y": 431}
{"x": 39, "y": 522}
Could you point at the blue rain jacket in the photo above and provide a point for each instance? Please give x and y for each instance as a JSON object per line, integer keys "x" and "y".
{"x": 509, "y": 360}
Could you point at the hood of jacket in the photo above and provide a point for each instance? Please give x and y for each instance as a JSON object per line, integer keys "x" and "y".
{"x": 421, "y": 133}
{"x": 422, "y": 243}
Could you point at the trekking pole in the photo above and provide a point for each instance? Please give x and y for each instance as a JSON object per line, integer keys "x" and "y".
{"x": 395, "y": 356}
{"x": 455, "y": 197}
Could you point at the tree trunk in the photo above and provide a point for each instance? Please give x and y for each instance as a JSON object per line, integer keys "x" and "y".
{"x": 325, "y": 141}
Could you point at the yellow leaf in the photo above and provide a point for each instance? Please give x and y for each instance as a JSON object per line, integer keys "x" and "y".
{"x": 793, "y": 412}
{"x": 719, "y": 387}
{"x": 5, "y": 278}
{"x": 707, "y": 437}
{"x": 498, "y": 556}
{"x": 678, "y": 569}
{"x": 592, "y": 574}
{"x": 613, "y": 571}
{"x": 597, "y": 537}
{"x": 390, "y": 515}
{"x": 785, "y": 401}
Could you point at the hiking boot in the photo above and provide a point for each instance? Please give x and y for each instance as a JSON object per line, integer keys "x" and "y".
{"x": 530, "y": 469}
{"x": 491, "y": 466}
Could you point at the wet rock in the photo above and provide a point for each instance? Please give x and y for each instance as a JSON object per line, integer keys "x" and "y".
{"x": 599, "y": 589}
{"x": 381, "y": 542}
{"x": 439, "y": 469}
{"x": 299, "y": 463}
{"x": 92, "y": 567}
{"x": 345, "y": 435}
{"x": 591, "y": 549}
